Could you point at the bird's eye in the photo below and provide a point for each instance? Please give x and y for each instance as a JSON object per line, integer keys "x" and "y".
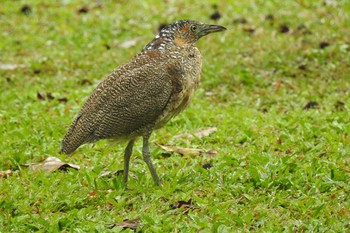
{"x": 193, "y": 28}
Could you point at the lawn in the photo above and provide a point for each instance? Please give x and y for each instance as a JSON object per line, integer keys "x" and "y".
{"x": 275, "y": 85}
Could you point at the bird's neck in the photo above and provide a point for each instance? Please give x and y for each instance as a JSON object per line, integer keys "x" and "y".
{"x": 160, "y": 43}
{"x": 163, "y": 43}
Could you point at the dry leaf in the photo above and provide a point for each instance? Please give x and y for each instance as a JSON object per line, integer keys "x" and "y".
{"x": 187, "y": 151}
{"x": 129, "y": 43}
{"x": 49, "y": 96}
{"x": 131, "y": 224}
{"x": 278, "y": 85}
{"x": 207, "y": 166}
{"x": 186, "y": 205}
{"x": 92, "y": 194}
{"x": 209, "y": 93}
{"x": 211, "y": 152}
{"x": 311, "y": 104}
{"x": 205, "y": 132}
{"x": 5, "y": 174}
{"x": 83, "y": 10}
{"x": 85, "y": 81}
{"x": 115, "y": 173}
{"x": 7, "y": 66}
{"x": 199, "y": 134}
{"x": 63, "y": 99}
{"x": 110, "y": 173}
{"x": 40, "y": 95}
{"x": 184, "y": 135}
{"x": 51, "y": 164}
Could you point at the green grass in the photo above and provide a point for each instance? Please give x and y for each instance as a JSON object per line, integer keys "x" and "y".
{"x": 278, "y": 168}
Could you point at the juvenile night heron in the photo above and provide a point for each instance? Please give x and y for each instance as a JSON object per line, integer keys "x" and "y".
{"x": 143, "y": 94}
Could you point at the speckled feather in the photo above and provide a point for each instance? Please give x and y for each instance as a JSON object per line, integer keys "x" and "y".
{"x": 137, "y": 97}
{"x": 143, "y": 94}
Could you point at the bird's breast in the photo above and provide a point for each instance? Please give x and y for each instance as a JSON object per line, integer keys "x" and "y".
{"x": 185, "y": 75}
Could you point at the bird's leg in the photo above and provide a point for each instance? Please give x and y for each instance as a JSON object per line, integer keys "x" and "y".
{"x": 127, "y": 155}
{"x": 147, "y": 158}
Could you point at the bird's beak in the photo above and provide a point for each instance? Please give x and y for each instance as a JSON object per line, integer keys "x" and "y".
{"x": 210, "y": 28}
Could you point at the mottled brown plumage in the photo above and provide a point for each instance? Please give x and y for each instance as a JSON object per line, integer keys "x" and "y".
{"x": 143, "y": 94}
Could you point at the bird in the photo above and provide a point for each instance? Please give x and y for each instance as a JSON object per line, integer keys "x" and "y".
{"x": 143, "y": 94}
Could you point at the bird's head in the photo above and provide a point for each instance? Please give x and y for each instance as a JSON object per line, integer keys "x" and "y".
{"x": 182, "y": 32}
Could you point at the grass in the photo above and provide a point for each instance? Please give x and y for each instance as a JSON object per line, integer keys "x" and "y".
{"x": 280, "y": 166}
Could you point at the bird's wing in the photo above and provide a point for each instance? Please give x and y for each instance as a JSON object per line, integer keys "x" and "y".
{"x": 133, "y": 102}
{"x": 127, "y": 102}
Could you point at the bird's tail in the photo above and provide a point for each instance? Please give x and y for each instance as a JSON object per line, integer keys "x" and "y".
{"x": 77, "y": 135}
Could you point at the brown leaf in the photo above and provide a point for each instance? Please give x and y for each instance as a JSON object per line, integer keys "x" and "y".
{"x": 40, "y": 95}
{"x": 49, "y": 96}
{"x": 26, "y": 9}
{"x": 205, "y": 132}
{"x": 187, "y": 151}
{"x": 215, "y": 16}
{"x": 43, "y": 96}
{"x": 180, "y": 204}
{"x": 83, "y": 10}
{"x": 128, "y": 223}
{"x": 63, "y": 99}
{"x": 279, "y": 141}
{"x": 302, "y": 67}
{"x": 92, "y": 194}
{"x": 8, "y": 66}
{"x": 36, "y": 71}
{"x": 164, "y": 199}
{"x": 340, "y": 105}
{"x": 186, "y": 205}
{"x": 110, "y": 173}
{"x": 183, "y": 135}
{"x": 5, "y": 174}
{"x": 212, "y": 152}
{"x": 199, "y": 133}
{"x": 284, "y": 28}
{"x": 240, "y": 20}
{"x": 311, "y": 104}
{"x": 249, "y": 30}
{"x": 51, "y": 164}
{"x": 270, "y": 17}
{"x": 85, "y": 81}
{"x": 207, "y": 166}
{"x": 324, "y": 44}
{"x": 278, "y": 85}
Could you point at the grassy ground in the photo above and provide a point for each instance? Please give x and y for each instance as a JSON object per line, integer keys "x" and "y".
{"x": 282, "y": 164}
